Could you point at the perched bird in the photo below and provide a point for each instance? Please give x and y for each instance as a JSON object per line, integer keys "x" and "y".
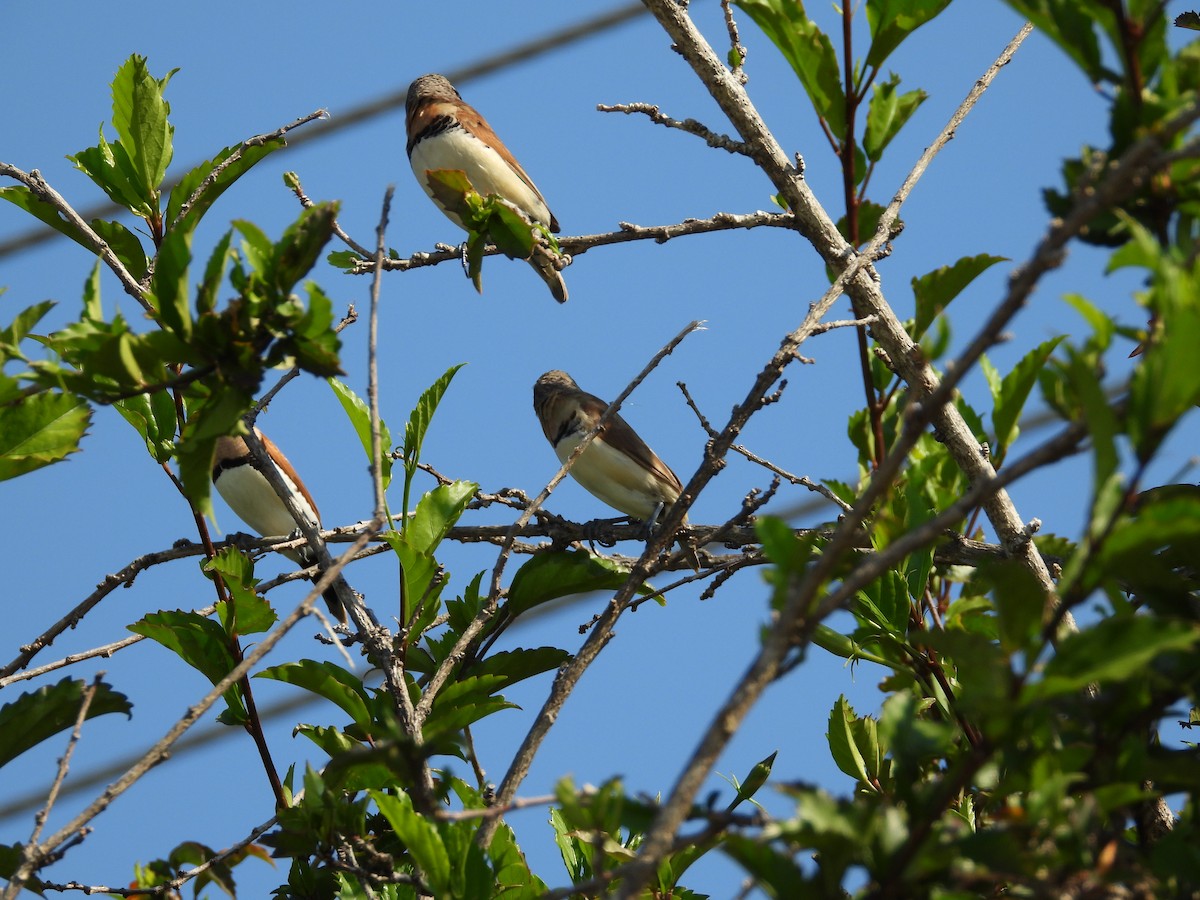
{"x": 617, "y": 466}
{"x": 238, "y": 479}
{"x": 446, "y": 133}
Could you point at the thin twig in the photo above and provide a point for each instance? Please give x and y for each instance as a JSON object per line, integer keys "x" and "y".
{"x": 257, "y": 141}
{"x": 42, "y": 190}
{"x": 27, "y": 861}
{"x": 627, "y": 232}
{"x": 861, "y": 282}
{"x": 691, "y": 126}
{"x": 159, "y": 751}
{"x": 298, "y": 190}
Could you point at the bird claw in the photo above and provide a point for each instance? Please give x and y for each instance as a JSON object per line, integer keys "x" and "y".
{"x": 592, "y": 531}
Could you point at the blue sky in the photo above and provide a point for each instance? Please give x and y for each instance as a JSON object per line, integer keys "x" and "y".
{"x": 249, "y": 68}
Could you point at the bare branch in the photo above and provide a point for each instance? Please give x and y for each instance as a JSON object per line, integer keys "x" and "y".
{"x": 42, "y": 190}
{"x": 574, "y": 246}
{"x": 691, "y": 126}
{"x": 257, "y": 141}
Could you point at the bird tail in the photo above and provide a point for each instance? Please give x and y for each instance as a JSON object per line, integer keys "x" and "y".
{"x": 552, "y": 277}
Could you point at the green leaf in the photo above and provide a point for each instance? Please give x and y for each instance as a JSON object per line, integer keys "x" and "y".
{"x": 451, "y": 189}
{"x": 808, "y": 51}
{"x": 1102, "y": 325}
{"x": 891, "y": 21}
{"x": 934, "y": 290}
{"x": 170, "y": 283}
{"x": 252, "y": 614}
{"x": 1166, "y": 383}
{"x": 436, "y": 513}
{"x": 511, "y": 666}
{"x": 1014, "y": 391}
{"x": 300, "y": 247}
{"x": 417, "y": 573}
{"x": 842, "y": 743}
{"x": 41, "y": 429}
{"x": 21, "y": 196}
{"x": 23, "y": 323}
{"x": 509, "y": 230}
{"x": 463, "y": 703}
{"x": 140, "y": 119}
{"x": 1020, "y": 604}
{"x": 420, "y": 836}
{"x": 208, "y": 292}
{"x": 153, "y": 416}
{"x": 422, "y": 415}
{"x": 125, "y": 244}
{"x": 201, "y": 643}
{"x": 360, "y": 419}
{"x": 777, "y": 873}
{"x": 548, "y": 576}
{"x": 37, "y": 715}
{"x": 107, "y": 165}
{"x": 325, "y": 679}
{"x": 1113, "y": 650}
{"x": 205, "y": 186}
{"x": 1073, "y": 27}
{"x": 887, "y": 113}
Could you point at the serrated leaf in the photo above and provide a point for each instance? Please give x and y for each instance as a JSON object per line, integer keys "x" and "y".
{"x": 325, "y": 679}
{"x": 125, "y": 244}
{"x": 102, "y": 165}
{"x": 450, "y": 189}
{"x": 140, "y": 119}
{"x": 420, "y": 836}
{"x": 343, "y": 259}
{"x": 170, "y": 283}
{"x": 21, "y": 196}
{"x": 214, "y": 275}
{"x": 251, "y": 613}
{"x": 1073, "y": 27}
{"x": 463, "y": 702}
{"x": 201, "y": 643}
{"x": 808, "y": 51}
{"x": 422, "y": 415}
{"x": 213, "y": 186}
{"x": 37, "y": 715}
{"x": 512, "y": 666}
{"x": 1112, "y": 650}
{"x": 436, "y": 513}
{"x": 360, "y": 419}
{"x": 842, "y": 745}
{"x": 153, "y": 416}
{"x": 41, "y": 429}
{"x": 294, "y": 255}
{"x": 417, "y": 573}
{"x": 509, "y": 230}
{"x": 20, "y": 326}
{"x": 934, "y": 290}
{"x": 891, "y": 21}
{"x": 887, "y": 113}
{"x": 1014, "y": 391}
{"x": 778, "y": 873}
{"x": 548, "y": 576}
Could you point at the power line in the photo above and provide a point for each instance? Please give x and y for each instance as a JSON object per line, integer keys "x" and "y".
{"x": 364, "y": 112}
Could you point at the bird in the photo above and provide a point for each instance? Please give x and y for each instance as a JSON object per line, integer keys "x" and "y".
{"x": 444, "y": 132}
{"x": 617, "y": 466}
{"x": 238, "y": 478}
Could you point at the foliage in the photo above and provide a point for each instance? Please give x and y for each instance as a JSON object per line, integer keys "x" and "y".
{"x": 1014, "y": 752}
